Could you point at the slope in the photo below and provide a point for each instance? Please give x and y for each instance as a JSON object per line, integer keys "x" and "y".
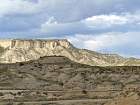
{"x": 16, "y": 50}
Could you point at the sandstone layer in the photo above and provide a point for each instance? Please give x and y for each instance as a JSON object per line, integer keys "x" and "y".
{"x": 15, "y": 50}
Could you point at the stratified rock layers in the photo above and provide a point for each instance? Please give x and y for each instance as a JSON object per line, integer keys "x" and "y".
{"x": 24, "y": 50}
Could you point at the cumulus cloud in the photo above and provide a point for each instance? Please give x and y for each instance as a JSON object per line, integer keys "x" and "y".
{"x": 105, "y": 20}
{"x": 115, "y": 42}
{"x": 93, "y": 24}
{"x": 70, "y": 15}
{"x": 67, "y": 10}
{"x": 98, "y": 42}
{"x": 53, "y": 27}
{"x": 8, "y": 7}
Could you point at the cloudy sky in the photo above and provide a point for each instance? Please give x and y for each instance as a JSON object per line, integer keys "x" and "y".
{"x": 101, "y": 25}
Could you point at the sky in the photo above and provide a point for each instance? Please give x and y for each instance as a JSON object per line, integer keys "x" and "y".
{"x": 108, "y": 26}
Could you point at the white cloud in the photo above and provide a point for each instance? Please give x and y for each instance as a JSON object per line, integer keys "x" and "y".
{"x": 66, "y": 10}
{"x": 115, "y": 42}
{"x": 98, "y": 42}
{"x": 51, "y": 21}
{"x": 105, "y": 20}
{"x": 52, "y": 26}
{"x": 111, "y": 22}
{"x": 20, "y": 7}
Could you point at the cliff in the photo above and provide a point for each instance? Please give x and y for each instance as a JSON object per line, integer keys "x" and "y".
{"x": 16, "y": 43}
{"x": 16, "y": 50}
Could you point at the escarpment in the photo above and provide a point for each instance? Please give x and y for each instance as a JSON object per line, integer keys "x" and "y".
{"x": 25, "y": 50}
{"x": 21, "y": 43}
{"x": 20, "y": 50}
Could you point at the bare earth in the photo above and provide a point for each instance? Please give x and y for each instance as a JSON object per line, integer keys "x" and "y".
{"x": 56, "y": 80}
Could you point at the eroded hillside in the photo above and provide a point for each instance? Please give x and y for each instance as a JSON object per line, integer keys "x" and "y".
{"x": 56, "y": 80}
{"x": 15, "y": 50}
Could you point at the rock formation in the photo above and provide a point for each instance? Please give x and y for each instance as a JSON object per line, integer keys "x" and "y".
{"x": 16, "y": 50}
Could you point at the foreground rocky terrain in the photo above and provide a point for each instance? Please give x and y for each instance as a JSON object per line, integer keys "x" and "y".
{"x": 56, "y": 80}
{"x": 12, "y": 51}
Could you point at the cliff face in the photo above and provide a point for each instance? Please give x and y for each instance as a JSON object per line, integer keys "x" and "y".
{"x": 24, "y": 50}
{"x": 34, "y": 43}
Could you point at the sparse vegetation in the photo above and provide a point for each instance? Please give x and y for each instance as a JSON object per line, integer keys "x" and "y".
{"x": 44, "y": 81}
{"x": 84, "y": 91}
{"x": 1, "y": 49}
{"x": 1, "y": 94}
{"x": 21, "y": 104}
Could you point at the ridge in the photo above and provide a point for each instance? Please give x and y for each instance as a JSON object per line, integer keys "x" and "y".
{"x": 34, "y": 43}
{"x": 21, "y": 50}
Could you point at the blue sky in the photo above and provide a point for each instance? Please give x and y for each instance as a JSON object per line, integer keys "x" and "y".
{"x": 110, "y": 26}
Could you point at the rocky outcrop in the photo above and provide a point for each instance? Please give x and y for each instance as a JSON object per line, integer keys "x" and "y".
{"x": 15, "y": 43}
{"x": 16, "y": 50}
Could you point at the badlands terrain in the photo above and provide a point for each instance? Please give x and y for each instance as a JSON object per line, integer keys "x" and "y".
{"x": 56, "y": 80}
{"x": 54, "y": 72}
{"x": 16, "y": 50}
